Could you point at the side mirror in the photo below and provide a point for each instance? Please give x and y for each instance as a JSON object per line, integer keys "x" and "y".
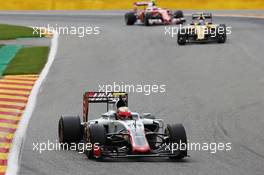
{"x": 148, "y": 116}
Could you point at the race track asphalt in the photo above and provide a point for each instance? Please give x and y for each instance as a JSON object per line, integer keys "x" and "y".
{"x": 215, "y": 90}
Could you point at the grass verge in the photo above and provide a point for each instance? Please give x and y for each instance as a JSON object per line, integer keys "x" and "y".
{"x": 8, "y": 32}
{"x": 29, "y": 60}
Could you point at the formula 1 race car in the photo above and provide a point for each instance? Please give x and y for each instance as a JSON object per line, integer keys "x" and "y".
{"x": 120, "y": 133}
{"x": 151, "y": 14}
{"x": 202, "y": 29}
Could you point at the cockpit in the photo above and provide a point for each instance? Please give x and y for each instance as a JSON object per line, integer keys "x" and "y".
{"x": 112, "y": 115}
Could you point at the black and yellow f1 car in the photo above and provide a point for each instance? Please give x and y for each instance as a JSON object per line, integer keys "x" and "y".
{"x": 202, "y": 29}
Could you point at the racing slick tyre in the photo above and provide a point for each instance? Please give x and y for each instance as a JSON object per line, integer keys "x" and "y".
{"x": 70, "y": 129}
{"x": 130, "y": 18}
{"x": 181, "y": 39}
{"x": 178, "y": 14}
{"x": 177, "y": 135}
{"x": 221, "y": 33}
{"x": 97, "y": 135}
{"x": 148, "y": 16}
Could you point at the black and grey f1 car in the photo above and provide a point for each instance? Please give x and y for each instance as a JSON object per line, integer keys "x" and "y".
{"x": 202, "y": 29}
{"x": 120, "y": 133}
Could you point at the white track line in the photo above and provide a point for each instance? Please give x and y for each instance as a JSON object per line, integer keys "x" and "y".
{"x": 14, "y": 155}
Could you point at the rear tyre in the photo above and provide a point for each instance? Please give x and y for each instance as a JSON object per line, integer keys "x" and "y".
{"x": 178, "y": 14}
{"x": 177, "y": 135}
{"x": 130, "y": 18}
{"x": 70, "y": 129}
{"x": 148, "y": 16}
{"x": 97, "y": 135}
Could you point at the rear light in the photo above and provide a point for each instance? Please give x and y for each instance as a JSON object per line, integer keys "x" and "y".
{"x": 97, "y": 152}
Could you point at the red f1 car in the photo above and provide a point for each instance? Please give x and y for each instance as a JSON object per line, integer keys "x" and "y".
{"x": 120, "y": 133}
{"x": 148, "y": 13}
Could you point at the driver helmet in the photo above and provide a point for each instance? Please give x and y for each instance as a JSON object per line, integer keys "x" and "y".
{"x": 201, "y": 22}
{"x": 123, "y": 113}
{"x": 152, "y": 3}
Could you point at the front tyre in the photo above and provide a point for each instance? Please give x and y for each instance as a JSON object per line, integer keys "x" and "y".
{"x": 97, "y": 137}
{"x": 147, "y": 17}
{"x": 177, "y": 135}
{"x": 181, "y": 39}
{"x": 221, "y": 33}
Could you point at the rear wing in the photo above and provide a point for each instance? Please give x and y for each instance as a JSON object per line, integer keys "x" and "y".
{"x": 101, "y": 97}
{"x": 143, "y": 3}
{"x": 205, "y": 15}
